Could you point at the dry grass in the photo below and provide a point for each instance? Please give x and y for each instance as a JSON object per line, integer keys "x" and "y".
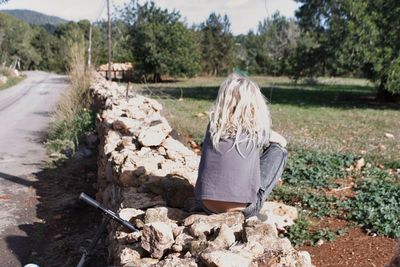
{"x": 72, "y": 116}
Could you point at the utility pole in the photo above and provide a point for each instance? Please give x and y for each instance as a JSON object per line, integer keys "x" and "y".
{"x": 90, "y": 46}
{"x": 109, "y": 40}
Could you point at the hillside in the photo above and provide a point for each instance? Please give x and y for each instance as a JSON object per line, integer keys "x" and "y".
{"x": 33, "y": 17}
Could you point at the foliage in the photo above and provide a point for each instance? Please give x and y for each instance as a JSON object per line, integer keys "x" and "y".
{"x": 73, "y": 116}
{"x": 301, "y": 233}
{"x": 161, "y": 44}
{"x": 217, "y": 45}
{"x": 376, "y": 206}
{"x": 316, "y": 169}
{"x": 355, "y": 33}
{"x": 15, "y": 41}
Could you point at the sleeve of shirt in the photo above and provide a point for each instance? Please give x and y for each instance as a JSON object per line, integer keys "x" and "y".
{"x": 277, "y": 138}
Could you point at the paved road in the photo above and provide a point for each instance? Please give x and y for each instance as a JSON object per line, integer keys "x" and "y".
{"x": 24, "y": 118}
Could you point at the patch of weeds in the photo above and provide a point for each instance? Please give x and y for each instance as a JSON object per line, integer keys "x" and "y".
{"x": 376, "y": 206}
{"x": 65, "y": 135}
{"x": 316, "y": 169}
{"x": 301, "y": 233}
{"x": 320, "y": 204}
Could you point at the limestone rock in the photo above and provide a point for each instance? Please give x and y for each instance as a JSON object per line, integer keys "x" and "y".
{"x": 283, "y": 259}
{"x": 279, "y": 214}
{"x": 266, "y": 235}
{"x": 154, "y": 135}
{"x": 175, "y": 149}
{"x": 224, "y": 258}
{"x": 177, "y": 262}
{"x": 224, "y": 239}
{"x": 164, "y": 214}
{"x": 175, "y": 190}
{"x": 128, "y": 214}
{"x": 131, "y": 198}
{"x": 204, "y": 224}
{"x": 157, "y": 238}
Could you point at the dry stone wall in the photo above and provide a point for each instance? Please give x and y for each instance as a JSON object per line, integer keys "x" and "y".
{"x": 149, "y": 177}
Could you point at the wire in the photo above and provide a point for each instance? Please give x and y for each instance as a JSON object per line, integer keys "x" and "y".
{"x": 266, "y": 9}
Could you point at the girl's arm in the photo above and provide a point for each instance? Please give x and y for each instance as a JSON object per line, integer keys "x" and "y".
{"x": 277, "y": 138}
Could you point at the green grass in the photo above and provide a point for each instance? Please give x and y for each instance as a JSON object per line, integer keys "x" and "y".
{"x": 336, "y": 115}
{"x": 11, "y": 82}
{"x": 328, "y": 125}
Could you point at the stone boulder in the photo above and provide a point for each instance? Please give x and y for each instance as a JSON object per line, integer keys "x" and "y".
{"x": 157, "y": 238}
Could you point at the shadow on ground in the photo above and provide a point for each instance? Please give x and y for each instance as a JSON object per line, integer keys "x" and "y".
{"x": 65, "y": 224}
{"x": 335, "y": 96}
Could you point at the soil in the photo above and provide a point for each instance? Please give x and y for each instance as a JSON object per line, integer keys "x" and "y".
{"x": 67, "y": 224}
{"x": 355, "y": 249}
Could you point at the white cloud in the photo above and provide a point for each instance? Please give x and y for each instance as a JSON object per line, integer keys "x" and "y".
{"x": 243, "y": 14}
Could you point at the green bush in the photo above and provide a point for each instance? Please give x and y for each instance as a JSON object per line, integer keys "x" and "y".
{"x": 316, "y": 169}
{"x": 376, "y": 206}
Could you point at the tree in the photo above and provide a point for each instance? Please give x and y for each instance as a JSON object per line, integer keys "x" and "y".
{"x": 217, "y": 44}
{"x": 359, "y": 36}
{"x": 15, "y": 41}
{"x": 161, "y": 44}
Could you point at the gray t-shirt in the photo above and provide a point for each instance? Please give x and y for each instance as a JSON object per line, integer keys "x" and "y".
{"x": 226, "y": 175}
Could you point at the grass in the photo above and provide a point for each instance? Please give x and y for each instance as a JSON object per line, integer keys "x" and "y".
{"x": 336, "y": 115}
{"x": 73, "y": 116}
{"x": 12, "y": 79}
{"x": 329, "y": 125}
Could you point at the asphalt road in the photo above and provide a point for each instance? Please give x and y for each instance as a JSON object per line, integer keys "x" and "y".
{"x": 25, "y": 111}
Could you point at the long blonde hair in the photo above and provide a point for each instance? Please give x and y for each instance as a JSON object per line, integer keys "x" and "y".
{"x": 240, "y": 112}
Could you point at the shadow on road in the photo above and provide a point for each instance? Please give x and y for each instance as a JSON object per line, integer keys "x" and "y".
{"x": 64, "y": 223}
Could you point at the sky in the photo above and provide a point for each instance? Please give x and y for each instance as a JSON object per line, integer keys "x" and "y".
{"x": 243, "y": 14}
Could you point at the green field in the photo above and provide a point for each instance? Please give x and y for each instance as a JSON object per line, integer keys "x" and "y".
{"x": 329, "y": 125}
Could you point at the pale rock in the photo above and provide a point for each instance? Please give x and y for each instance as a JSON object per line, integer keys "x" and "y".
{"x": 175, "y": 149}
{"x": 175, "y": 261}
{"x": 175, "y": 190}
{"x": 279, "y": 214}
{"x": 147, "y": 262}
{"x": 225, "y": 258}
{"x": 157, "y": 238}
{"x": 184, "y": 239}
{"x": 3, "y": 79}
{"x": 129, "y": 257}
{"x": 132, "y": 199}
{"x": 283, "y": 259}
{"x": 127, "y": 238}
{"x": 126, "y": 125}
{"x": 128, "y": 214}
{"x": 206, "y": 223}
{"x": 389, "y": 135}
{"x": 359, "y": 164}
{"x": 224, "y": 239}
{"x": 266, "y": 235}
{"x": 112, "y": 140}
{"x": 154, "y": 135}
{"x": 164, "y": 214}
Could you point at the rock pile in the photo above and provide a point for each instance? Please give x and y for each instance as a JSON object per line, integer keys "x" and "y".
{"x": 149, "y": 177}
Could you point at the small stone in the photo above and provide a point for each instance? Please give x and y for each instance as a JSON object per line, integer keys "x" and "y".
{"x": 157, "y": 238}
{"x": 389, "y": 135}
{"x": 224, "y": 258}
{"x": 154, "y": 135}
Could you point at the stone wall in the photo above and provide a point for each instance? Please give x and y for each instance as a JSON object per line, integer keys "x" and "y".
{"x": 148, "y": 177}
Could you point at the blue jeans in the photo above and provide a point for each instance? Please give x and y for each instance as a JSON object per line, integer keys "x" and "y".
{"x": 272, "y": 163}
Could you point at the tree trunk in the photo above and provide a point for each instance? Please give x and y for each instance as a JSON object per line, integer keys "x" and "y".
{"x": 384, "y": 95}
{"x": 157, "y": 78}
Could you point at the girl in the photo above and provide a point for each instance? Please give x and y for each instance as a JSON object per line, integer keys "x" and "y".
{"x": 242, "y": 158}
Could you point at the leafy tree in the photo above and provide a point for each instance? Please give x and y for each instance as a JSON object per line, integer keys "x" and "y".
{"x": 357, "y": 36}
{"x": 160, "y": 43}
{"x": 217, "y": 44}
{"x": 15, "y": 41}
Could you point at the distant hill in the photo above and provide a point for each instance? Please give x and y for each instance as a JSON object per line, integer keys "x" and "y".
{"x": 33, "y": 17}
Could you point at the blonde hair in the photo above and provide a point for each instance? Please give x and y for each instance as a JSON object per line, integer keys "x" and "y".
{"x": 240, "y": 112}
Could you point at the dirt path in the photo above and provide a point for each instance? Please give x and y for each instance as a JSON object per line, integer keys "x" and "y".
{"x": 24, "y": 118}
